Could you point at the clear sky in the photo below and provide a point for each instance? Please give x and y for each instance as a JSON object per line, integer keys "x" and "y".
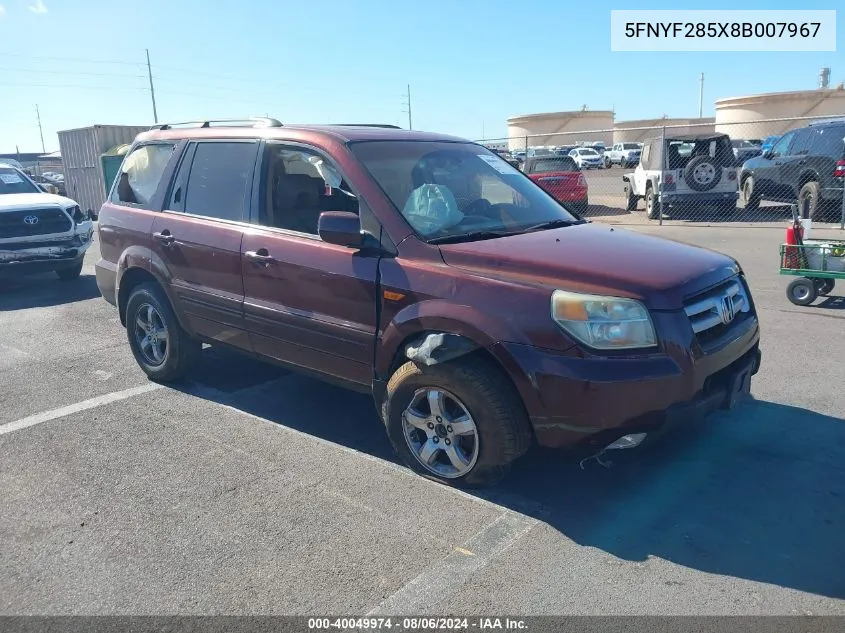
{"x": 470, "y": 63}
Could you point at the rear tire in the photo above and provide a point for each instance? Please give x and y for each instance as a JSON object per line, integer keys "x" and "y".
{"x": 802, "y": 291}
{"x": 750, "y": 198}
{"x": 809, "y": 203}
{"x": 69, "y": 274}
{"x": 470, "y": 385}
{"x": 164, "y": 351}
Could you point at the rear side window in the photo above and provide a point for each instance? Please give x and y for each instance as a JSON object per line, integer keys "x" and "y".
{"x": 830, "y": 142}
{"x": 141, "y": 172}
{"x": 805, "y": 140}
{"x": 219, "y": 178}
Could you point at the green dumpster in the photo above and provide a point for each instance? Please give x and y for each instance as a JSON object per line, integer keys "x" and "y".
{"x": 111, "y": 161}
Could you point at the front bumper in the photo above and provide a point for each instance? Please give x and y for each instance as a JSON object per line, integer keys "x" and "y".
{"x": 574, "y": 399}
{"x": 25, "y": 258}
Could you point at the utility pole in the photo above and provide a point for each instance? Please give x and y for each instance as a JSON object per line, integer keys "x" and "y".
{"x": 40, "y": 130}
{"x": 152, "y": 89}
{"x": 701, "y": 96}
{"x": 408, "y": 96}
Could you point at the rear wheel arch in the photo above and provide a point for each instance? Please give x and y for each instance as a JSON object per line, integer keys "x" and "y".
{"x": 133, "y": 277}
{"x": 807, "y": 176}
{"x": 130, "y": 279}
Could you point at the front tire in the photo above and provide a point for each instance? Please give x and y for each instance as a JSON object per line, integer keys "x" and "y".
{"x": 163, "y": 350}
{"x": 630, "y": 199}
{"x": 460, "y": 423}
{"x": 652, "y": 204}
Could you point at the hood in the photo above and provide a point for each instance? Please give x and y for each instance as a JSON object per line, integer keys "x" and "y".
{"x": 598, "y": 259}
{"x": 22, "y": 201}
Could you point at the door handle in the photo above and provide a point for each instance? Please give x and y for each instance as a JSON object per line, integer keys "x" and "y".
{"x": 261, "y": 256}
{"x": 164, "y": 237}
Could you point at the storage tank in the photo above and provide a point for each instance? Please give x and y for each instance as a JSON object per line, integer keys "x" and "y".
{"x": 81, "y": 150}
{"x": 740, "y": 117}
{"x": 628, "y": 132}
{"x": 563, "y": 128}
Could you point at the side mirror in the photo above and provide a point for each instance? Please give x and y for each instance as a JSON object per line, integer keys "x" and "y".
{"x": 767, "y": 154}
{"x": 340, "y": 227}
{"x": 93, "y": 215}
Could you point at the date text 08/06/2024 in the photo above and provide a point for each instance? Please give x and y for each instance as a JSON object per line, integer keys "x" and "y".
{"x": 416, "y": 624}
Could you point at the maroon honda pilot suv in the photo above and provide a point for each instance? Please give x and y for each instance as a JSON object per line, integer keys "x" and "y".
{"x": 481, "y": 314}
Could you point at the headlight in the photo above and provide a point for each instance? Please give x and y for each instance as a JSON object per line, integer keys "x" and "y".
{"x": 77, "y": 214}
{"x": 604, "y": 322}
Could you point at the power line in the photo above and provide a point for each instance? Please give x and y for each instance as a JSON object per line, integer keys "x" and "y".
{"x": 68, "y": 72}
{"x": 31, "y": 85}
{"x": 73, "y": 59}
{"x": 245, "y": 80}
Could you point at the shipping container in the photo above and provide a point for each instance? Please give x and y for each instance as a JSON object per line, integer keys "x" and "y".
{"x": 81, "y": 150}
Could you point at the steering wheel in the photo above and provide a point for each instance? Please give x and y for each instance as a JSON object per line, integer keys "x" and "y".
{"x": 478, "y": 208}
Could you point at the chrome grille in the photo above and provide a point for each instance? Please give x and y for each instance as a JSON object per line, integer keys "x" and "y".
{"x": 30, "y": 222}
{"x": 719, "y": 307}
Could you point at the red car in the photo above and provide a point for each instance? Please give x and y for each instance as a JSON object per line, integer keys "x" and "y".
{"x": 560, "y": 176}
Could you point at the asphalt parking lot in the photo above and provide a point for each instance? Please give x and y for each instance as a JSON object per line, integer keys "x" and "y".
{"x": 250, "y": 490}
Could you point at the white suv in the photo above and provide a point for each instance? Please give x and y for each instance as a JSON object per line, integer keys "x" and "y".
{"x": 698, "y": 172}
{"x": 40, "y": 231}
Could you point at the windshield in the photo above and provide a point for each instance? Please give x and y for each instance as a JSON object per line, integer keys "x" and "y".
{"x": 12, "y": 181}
{"x": 453, "y": 189}
{"x": 588, "y": 152}
{"x": 545, "y": 165}
{"x": 739, "y": 144}
{"x": 630, "y": 146}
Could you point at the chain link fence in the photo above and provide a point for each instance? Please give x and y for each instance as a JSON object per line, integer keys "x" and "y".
{"x": 746, "y": 173}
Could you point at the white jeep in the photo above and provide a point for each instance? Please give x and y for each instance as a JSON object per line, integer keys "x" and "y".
{"x": 698, "y": 172}
{"x": 40, "y": 231}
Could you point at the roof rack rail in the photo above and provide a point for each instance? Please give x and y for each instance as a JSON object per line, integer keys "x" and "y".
{"x": 251, "y": 122}
{"x": 384, "y": 125}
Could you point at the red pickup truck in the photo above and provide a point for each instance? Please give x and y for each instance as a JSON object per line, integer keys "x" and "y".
{"x": 425, "y": 270}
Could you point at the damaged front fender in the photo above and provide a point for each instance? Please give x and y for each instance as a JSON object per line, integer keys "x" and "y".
{"x": 431, "y": 349}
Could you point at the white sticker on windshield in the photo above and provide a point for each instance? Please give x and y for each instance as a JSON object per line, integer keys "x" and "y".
{"x": 11, "y": 179}
{"x": 498, "y": 164}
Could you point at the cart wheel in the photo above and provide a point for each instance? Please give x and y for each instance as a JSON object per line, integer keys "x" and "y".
{"x": 802, "y": 292}
{"x": 824, "y": 286}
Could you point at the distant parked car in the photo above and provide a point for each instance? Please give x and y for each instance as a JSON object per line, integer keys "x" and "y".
{"x": 768, "y": 143}
{"x": 560, "y": 176}
{"x": 39, "y": 230}
{"x": 744, "y": 149}
{"x": 624, "y": 154}
{"x": 695, "y": 171}
{"x": 587, "y": 158}
{"x": 806, "y": 166}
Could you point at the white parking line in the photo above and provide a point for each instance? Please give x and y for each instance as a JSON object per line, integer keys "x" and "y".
{"x": 439, "y": 581}
{"x": 46, "y": 416}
